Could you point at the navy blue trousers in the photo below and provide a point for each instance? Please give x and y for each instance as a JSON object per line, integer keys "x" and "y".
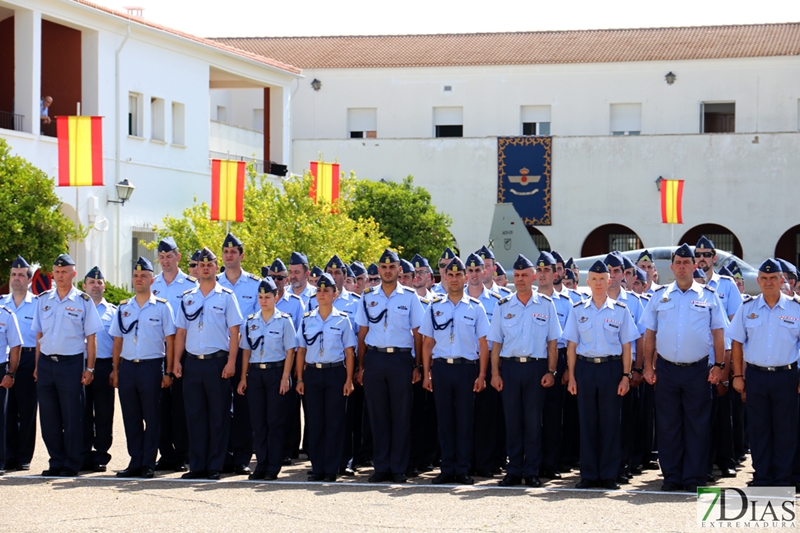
{"x": 269, "y": 416}
{"x": 325, "y": 406}
{"x": 174, "y": 439}
{"x": 600, "y": 416}
{"x": 552, "y": 418}
{"x": 771, "y": 418}
{"x": 21, "y": 412}
{"x": 3, "y": 396}
{"x": 207, "y": 399}
{"x": 98, "y": 416}
{"x": 455, "y": 410}
{"x": 140, "y": 400}
{"x": 387, "y": 388}
{"x": 60, "y": 392}
{"x": 683, "y": 406}
{"x": 486, "y": 427}
{"x": 240, "y": 445}
{"x": 523, "y": 403}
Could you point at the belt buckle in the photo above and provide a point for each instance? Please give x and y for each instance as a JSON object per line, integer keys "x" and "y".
{"x": 389, "y": 350}
{"x": 523, "y": 359}
{"x": 262, "y": 366}
{"x": 597, "y": 360}
{"x": 771, "y": 368}
{"x": 53, "y": 358}
{"x": 450, "y": 361}
{"x": 318, "y": 365}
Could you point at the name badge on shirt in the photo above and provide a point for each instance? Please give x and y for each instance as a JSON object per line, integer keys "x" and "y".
{"x": 612, "y": 323}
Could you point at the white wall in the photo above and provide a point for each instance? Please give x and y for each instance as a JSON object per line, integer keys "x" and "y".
{"x": 729, "y": 180}
{"x": 234, "y": 140}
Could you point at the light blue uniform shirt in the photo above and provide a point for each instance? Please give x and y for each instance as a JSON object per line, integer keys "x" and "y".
{"x": 634, "y": 305}
{"x": 105, "y": 342}
{"x": 24, "y": 314}
{"x": 727, "y": 292}
{"x": 346, "y": 303}
{"x": 147, "y": 327}
{"x": 174, "y": 291}
{"x": 215, "y": 314}
{"x": 573, "y": 295}
{"x": 65, "y": 324}
{"x": 246, "y": 291}
{"x": 600, "y": 332}
{"x": 325, "y": 340}
{"x": 268, "y": 341}
{"x": 502, "y": 291}
{"x": 461, "y": 326}
{"x": 403, "y": 313}
{"x": 10, "y": 335}
{"x": 306, "y": 295}
{"x": 524, "y": 330}
{"x": 437, "y": 288}
{"x": 489, "y": 301}
{"x": 683, "y": 321}
{"x": 771, "y": 337}
{"x": 563, "y": 306}
{"x": 292, "y": 305}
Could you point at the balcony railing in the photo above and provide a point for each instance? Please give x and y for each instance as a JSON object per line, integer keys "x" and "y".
{"x": 49, "y": 130}
{"x": 257, "y": 163}
{"x": 10, "y": 121}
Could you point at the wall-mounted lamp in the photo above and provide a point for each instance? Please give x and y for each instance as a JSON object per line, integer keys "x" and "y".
{"x": 316, "y": 84}
{"x": 670, "y": 77}
{"x": 658, "y": 183}
{"x": 124, "y": 192}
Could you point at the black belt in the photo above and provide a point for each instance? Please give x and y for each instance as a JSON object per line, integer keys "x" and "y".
{"x": 781, "y": 368}
{"x": 455, "y": 360}
{"x": 215, "y": 355}
{"x": 389, "y": 349}
{"x": 56, "y": 357}
{"x": 704, "y": 361}
{"x": 604, "y": 359}
{"x": 526, "y": 359}
{"x": 137, "y": 361}
{"x": 325, "y": 365}
{"x": 265, "y": 366}
{"x": 29, "y": 350}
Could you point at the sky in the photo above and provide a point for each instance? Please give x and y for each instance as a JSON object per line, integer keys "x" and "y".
{"x": 260, "y": 18}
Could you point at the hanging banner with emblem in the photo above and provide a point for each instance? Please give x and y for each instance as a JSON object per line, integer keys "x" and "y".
{"x": 523, "y": 177}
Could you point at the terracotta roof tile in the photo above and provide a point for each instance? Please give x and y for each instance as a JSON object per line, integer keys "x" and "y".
{"x": 527, "y": 48}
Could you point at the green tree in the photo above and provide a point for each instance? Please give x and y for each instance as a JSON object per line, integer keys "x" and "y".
{"x": 278, "y": 222}
{"x": 33, "y": 226}
{"x": 405, "y": 215}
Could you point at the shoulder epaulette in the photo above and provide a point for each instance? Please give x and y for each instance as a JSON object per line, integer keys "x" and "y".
{"x": 357, "y": 296}
{"x": 474, "y": 300}
{"x": 162, "y": 300}
{"x": 112, "y": 306}
{"x": 504, "y": 300}
{"x": 437, "y": 298}
{"x": 661, "y": 288}
{"x": 723, "y": 276}
{"x": 576, "y": 304}
{"x": 286, "y": 315}
{"x": 307, "y": 313}
{"x": 506, "y": 289}
{"x": 226, "y": 289}
{"x": 495, "y": 295}
{"x": 546, "y": 297}
{"x": 796, "y": 298}
{"x": 251, "y": 317}
{"x": 192, "y": 279}
{"x": 123, "y": 302}
{"x": 187, "y": 291}
{"x": 425, "y": 301}
{"x": 644, "y": 296}
{"x": 622, "y": 305}
{"x": 253, "y": 276}
{"x": 293, "y": 295}
{"x": 85, "y": 296}
{"x": 314, "y": 290}
{"x": 746, "y": 298}
{"x": 631, "y": 293}
{"x": 368, "y": 290}
{"x": 6, "y": 309}
{"x": 710, "y": 289}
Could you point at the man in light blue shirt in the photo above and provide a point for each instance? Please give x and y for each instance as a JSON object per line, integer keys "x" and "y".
{"x": 298, "y": 277}
{"x": 447, "y": 256}
{"x": 10, "y": 342}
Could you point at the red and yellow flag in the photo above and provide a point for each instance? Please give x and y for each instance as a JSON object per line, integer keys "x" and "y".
{"x": 227, "y": 190}
{"x": 325, "y": 185}
{"x": 672, "y": 201}
{"x": 80, "y": 151}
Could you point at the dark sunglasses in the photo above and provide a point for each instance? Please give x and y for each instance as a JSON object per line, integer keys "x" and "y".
{"x": 705, "y": 254}
{"x": 192, "y": 265}
{"x": 377, "y": 278}
{"x": 278, "y": 278}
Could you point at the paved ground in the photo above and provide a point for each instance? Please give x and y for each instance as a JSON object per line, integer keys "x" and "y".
{"x": 100, "y": 502}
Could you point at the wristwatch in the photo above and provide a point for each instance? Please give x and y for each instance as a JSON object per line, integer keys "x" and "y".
{"x": 90, "y": 370}
{"x": 638, "y": 370}
{"x": 12, "y": 375}
{"x": 171, "y": 374}
{"x": 629, "y": 375}
{"x": 553, "y": 372}
{"x": 720, "y": 365}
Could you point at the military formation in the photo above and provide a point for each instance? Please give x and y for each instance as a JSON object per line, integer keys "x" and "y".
{"x": 378, "y": 367}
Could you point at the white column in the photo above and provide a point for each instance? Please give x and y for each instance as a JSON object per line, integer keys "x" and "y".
{"x": 28, "y": 67}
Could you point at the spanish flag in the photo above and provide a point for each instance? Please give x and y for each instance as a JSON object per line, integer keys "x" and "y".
{"x": 227, "y": 190}
{"x": 325, "y": 185}
{"x": 80, "y": 151}
{"x": 672, "y": 201}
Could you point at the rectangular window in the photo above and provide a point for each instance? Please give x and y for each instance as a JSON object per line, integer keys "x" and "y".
{"x": 362, "y": 122}
{"x": 140, "y": 236}
{"x": 258, "y": 119}
{"x": 157, "y": 119}
{"x": 135, "y": 112}
{"x": 535, "y": 120}
{"x": 448, "y": 121}
{"x": 624, "y": 242}
{"x": 718, "y": 117}
{"x": 626, "y": 119}
{"x": 178, "y": 124}
{"x": 222, "y": 113}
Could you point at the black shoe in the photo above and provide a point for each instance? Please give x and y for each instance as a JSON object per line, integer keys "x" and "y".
{"x": 710, "y": 478}
{"x": 258, "y": 474}
{"x": 411, "y": 472}
{"x": 533, "y": 481}
{"x": 426, "y": 467}
{"x": 347, "y": 471}
{"x": 669, "y": 486}
{"x": 147, "y": 472}
{"x": 329, "y": 478}
{"x": 316, "y": 477}
{"x": 99, "y": 468}
{"x": 51, "y": 472}
{"x": 399, "y": 478}
{"x": 564, "y": 468}
{"x": 650, "y": 465}
{"x": 128, "y": 472}
{"x": 25, "y": 466}
{"x": 192, "y": 474}
{"x": 213, "y": 475}
{"x": 270, "y": 476}
{"x": 586, "y": 484}
{"x": 464, "y": 479}
{"x": 11, "y": 466}
{"x": 690, "y": 487}
{"x": 484, "y": 473}
{"x": 609, "y": 484}
{"x": 622, "y": 479}
{"x": 549, "y": 473}
{"x": 242, "y": 470}
{"x": 163, "y": 464}
{"x": 227, "y": 469}
{"x": 380, "y": 477}
{"x": 68, "y": 472}
{"x": 443, "y": 479}
{"x": 181, "y": 467}
{"x": 727, "y": 472}
{"x": 2, "y": 471}
{"x": 636, "y": 470}
{"x": 287, "y": 461}
{"x": 510, "y": 480}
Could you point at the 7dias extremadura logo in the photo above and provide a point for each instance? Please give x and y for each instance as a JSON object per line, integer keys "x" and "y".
{"x": 754, "y": 507}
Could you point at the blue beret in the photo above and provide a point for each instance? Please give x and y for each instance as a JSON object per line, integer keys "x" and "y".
{"x": 626, "y": 262}
{"x": 143, "y": 264}
{"x": 316, "y": 272}
{"x": 704, "y": 243}
{"x": 474, "y": 260}
{"x": 406, "y": 266}
{"x": 455, "y": 265}
{"x": 770, "y": 266}
{"x": 325, "y": 280}
{"x": 195, "y": 256}
{"x": 95, "y": 273}
{"x": 231, "y": 241}
{"x": 264, "y": 271}
{"x": 556, "y": 256}
{"x": 372, "y": 269}
{"x": 20, "y": 262}
{"x": 358, "y": 268}
{"x": 447, "y": 254}
{"x": 725, "y": 272}
{"x": 736, "y": 272}
{"x": 522, "y": 263}
{"x": 699, "y": 274}
{"x": 277, "y": 266}
{"x": 499, "y": 270}
{"x": 545, "y": 259}
{"x": 167, "y": 244}
{"x": 348, "y": 272}
{"x": 335, "y": 262}
{"x": 570, "y": 264}
{"x": 612, "y": 260}
{"x": 569, "y": 274}
{"x": 418, "y": 261}
{"x": 599, "y": 267}
{"x": 63, "y": 260}
{"x": 267, "y": 285}
{"x": 645, "y": 256}
{"x": 485, "y": 253}
{"x": 684, "y": 250}
{"x": 389, "y": 256}
{"x": 787, "y": 267}
{"x": 298, "y": 259}
{"x": 206, "y": 256}
{"x": 641, "y": 275}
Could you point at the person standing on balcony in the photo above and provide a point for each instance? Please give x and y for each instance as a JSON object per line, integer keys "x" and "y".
{"x": 44, "y": 104}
